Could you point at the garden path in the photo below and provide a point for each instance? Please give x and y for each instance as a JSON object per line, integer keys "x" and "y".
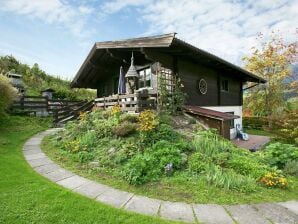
{"x": 283, "y": 212}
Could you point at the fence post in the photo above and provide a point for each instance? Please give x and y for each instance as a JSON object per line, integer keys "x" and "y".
{"x": 22, "y": 103}
{"x": 47, "y": 103}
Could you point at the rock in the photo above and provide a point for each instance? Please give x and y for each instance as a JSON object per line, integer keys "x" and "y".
{"x": 94, "y": 164}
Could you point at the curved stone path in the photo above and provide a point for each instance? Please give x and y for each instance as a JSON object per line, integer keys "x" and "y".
{"x": 284, "y": 212}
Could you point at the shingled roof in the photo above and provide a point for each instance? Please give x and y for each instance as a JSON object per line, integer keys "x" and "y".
{"x": 106, "y": 56}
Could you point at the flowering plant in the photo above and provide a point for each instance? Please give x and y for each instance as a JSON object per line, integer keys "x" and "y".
{"x": 116, "y": 110}
{"x": 273, "y": 179}
{"x": 147, "y": 120}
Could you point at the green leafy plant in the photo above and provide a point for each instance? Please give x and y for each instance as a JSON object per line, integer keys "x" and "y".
{"x": 278, "y": 154}
{"x": 124, "y": 129}
{"x": 291, "y": 168}
{"x": 7, "y": 94}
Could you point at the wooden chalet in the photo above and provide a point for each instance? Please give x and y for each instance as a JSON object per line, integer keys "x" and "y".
{"x": 214, "y": 86}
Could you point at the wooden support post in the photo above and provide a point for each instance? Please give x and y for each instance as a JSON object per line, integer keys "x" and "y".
{"x": 22, "y": 102}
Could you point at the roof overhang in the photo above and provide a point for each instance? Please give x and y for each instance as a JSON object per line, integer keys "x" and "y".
{"x": 107, "y": 57}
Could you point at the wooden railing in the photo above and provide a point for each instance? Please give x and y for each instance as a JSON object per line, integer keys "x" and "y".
{"x": 40, "y": 104}
{"x": 72, "y": 111}
{"x": 129, "y": 102}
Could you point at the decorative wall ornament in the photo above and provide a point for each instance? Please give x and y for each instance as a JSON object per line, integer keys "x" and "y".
{"x": 202, "y": 86}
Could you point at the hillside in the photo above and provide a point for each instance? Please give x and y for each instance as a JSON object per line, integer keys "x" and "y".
{"x": 35, "y": 80}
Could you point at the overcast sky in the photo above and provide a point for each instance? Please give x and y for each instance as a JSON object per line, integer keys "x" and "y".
{"x": 58, "y": 34}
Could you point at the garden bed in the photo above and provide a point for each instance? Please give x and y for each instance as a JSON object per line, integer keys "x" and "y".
{"x": 147, "y": 156}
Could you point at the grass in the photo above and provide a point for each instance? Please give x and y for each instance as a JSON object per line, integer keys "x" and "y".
{"x": 27, "y": 197}
{"x": 259, "y": 132}
{"x": 173, "y": 188}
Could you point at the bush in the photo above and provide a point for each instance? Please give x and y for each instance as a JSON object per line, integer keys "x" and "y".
{"x": 278, "y": 154}
{"x": 124, "y": 129}
{"x": 255, "y": 122}
{"x": 147, "y": 120}
{"x": 132, "y": 118}
{"x": 274, "y": 179}
{"x": 291, "y": 168}
{"x": 7, "y": 94}
{"x": 248, "y": 167}
{"x": 288, "y": 130}
{"x": 150, "y": 165}
{"x": 85, "y": 156}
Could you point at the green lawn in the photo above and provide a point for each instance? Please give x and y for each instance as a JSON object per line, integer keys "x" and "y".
{"x": 259, "y": 132}
{"x": 26, "y": 197}
{"x": 179, "y": 187}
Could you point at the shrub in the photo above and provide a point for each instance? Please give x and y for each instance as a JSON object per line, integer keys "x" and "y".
{"x": 278, "y": 154}
{"x": 87, "y": 141}
{"x": 85, "y": 156}
{"x": 147, "y": 121}
{"x": 140, "y": 169}
{"x": 255, "y": 122}
{"x": 162, "y": 131}
{"x": 150, "y": 165}
{"x": 274, "y": 179}
{"x": 7, "y": 94}
{"x": 116, "y": 110}
{"x": 288, "y": 130}
{"x": 291, "y": 168}
{"x": 198, "y": 163}
{"x": 124, "y": 129}
{"x": 247, "y": 166}
{"x": 126, "y": 117}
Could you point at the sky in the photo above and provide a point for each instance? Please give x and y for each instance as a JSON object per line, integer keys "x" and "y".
{"x": 58, "y": 34}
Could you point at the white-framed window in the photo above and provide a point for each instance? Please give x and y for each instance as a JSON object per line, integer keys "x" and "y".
{"x": 145, "y": 77}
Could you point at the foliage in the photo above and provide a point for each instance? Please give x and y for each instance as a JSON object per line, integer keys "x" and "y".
{"x": 278, "y": 154}
{"x": 138, "y": 156}
{"x": 132, "y": 118}
{"x": 124, "y": 129}
{"x": 150, "y": 165}
{"x": 255, "y": 122}
{"x": 147, "y": 121}
{"x": 116, "y": 110}
{"x": 291, "y": 168}
{"x": 229, "y": 179}
{"x": 36, "y": 80}
{"x": 288, "y": 124}
{"x": 7, "y": 94}
{"x": 274, "y": 179}
{"x": 171, "y": 98}
{"x": 272, "y": 62}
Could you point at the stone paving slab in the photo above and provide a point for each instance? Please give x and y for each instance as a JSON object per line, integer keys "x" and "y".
{"x": 246, "y": 214}
{"x": 177, "y": 211}
{"x": 291, "y": 205}
{"x": 33, "y": 142}
{"x": 31, "y": 151}
{"x": 39, "y": 162}
{"x": 277, "y": 213}
{"x": 35, "y": 156}
{"x": 143, "y": 205}
{"x": 114, "y": 197}
{"x": 31, "y": 147}
{"x": 91, "y": 189}
{"x": 72, "y": 182}
{"x": 47, "y": 168}
{"x": 212, "y": 214}
{"x": 59, "y": 174}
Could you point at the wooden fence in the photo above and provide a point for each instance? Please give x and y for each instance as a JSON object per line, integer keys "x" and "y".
{"x": 40, "y": 104}
{"x": 129, "y": 102}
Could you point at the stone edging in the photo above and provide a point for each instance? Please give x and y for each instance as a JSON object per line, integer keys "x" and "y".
{"x": 283, "y": 212}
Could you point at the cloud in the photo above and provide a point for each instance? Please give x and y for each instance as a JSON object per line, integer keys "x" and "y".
{"x": 52, "y": 12}
{"x": 223, "y": 27}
